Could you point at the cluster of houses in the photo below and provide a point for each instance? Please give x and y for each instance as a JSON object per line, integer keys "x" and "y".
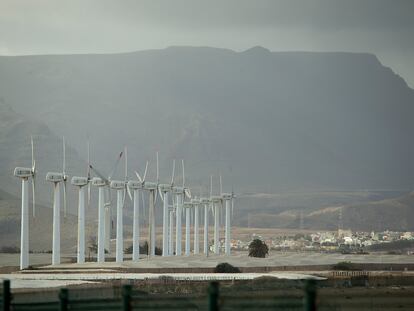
{"x": 329, "y": 241}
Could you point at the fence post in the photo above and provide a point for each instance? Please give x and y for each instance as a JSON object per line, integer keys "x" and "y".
{"x": 213, "y": 293}
{"x": 63, "y": 299}
{"x": 126, "y": 297}
{"x": 6, "y": 295}
{"x": 310, "y": 295}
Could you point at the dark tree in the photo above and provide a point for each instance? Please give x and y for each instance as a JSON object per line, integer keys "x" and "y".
{"x": 258, "y": 248}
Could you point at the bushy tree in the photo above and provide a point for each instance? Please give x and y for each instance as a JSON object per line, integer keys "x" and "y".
{"x": 258, "y": 248}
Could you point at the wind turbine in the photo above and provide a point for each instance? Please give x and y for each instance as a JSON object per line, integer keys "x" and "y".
{"x": 180, "y": 193}
{"x": 121, "y": 188}
{"x": 81, "y": 182}
{"x": 152, "y": 188}
{"x": 136, "y": 186}
{"x": 24, "y": 174}
{"x": 187, "y": 208}
{"x": 217, "y": 202}
{"x": 56, "y": 179}
{"x": 196, "y": 204}
{"x": 104, "y": 219}
{"x": 163, "y": 190}
{"x": 206, "y": 203}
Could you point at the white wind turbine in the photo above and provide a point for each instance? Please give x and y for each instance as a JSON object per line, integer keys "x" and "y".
{"x": 196, "y": 203}
{"x": 136, "y": 186}
{"x": 104, "y": 219}
{"x": 187, "y": 208}
{"x": 163, "y": 190}
{"x": 81, "y": 182}
{"x": 121, "y": 188}
{"x": 24, "y": 174}
{"x": 152, "y": 188}
{"x": 180, "y": 193}
{"x": 56, "y": 179}
{"x": 217, "y": 203}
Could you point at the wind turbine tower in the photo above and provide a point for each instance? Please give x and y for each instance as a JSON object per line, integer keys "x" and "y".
{"x": 100, "y": 183}
{"x": 227, "y": 198}
{"x": 81, "y": 182}
{"x": 24, "y": 174}
{"x": 196, "y": 204}
{"x": 119, "y": 186}
{"x": 56, "y": 179}
{"x": 187, "y": 208}
{"x": 216, "y": 201}
{"x": 163, "y": 190}
{"x": 206, "y": 204}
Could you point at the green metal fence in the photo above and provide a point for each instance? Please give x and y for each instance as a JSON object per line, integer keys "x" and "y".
{"x": 130, "y": 300}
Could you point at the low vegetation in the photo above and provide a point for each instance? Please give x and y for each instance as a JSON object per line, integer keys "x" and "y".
{"x": 226, "y": 268}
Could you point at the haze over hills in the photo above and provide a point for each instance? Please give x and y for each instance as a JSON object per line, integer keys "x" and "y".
{"x": 268, "y": 121}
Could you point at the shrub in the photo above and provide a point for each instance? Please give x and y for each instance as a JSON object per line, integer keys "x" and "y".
{"x": 258, "y": 248}
{"x": 226, "y": 268}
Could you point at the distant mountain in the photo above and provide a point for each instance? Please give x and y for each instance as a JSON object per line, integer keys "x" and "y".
{"x": 268, "y": 121}
{"x": 15, "y": 150}
{"x": 366, "y": 215}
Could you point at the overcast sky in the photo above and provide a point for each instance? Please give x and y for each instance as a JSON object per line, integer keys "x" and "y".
{"x": 381, "y": 27}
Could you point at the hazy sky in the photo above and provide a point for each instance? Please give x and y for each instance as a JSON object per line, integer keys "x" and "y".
{"x": 382, "y": 27}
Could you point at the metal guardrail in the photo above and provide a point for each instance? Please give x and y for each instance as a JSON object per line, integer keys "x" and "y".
{"x": 137, "y": 301}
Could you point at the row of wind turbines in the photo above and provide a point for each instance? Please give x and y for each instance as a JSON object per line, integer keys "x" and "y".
{"x": 172, "y": 210}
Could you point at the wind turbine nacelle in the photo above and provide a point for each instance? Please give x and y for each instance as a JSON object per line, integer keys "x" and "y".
{"x": 226, "y": 196}
{"x": 150, "y": 186}
{"x": 79, "y": 181}
{"x": 54, "y": 177}
{"x": 178, "y": 190}
{"x": 134, "y": 184}
{"x": 204, "y": 201}
{"x": 165, "y": 187}
{"x": 23, "y": 172}
{"x": 98, "y": 182}
{"x": 216, "y": 199}
{"x": 117, "y": 184}
{"x": 188, "y": 205}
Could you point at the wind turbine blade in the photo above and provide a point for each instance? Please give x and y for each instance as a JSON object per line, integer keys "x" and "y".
{"x": 64, "y": 156}
{"x": 221, "y": 186}
{"x": 33, "y": 162}
{"x": 116, "y": 165}
{"x": 161, "y": 194}
{"x": 173, "y": 172}
{"x": 33, "y": 196}
{"x": 182, "y": 165}
{"x": 232, "y": 206}
{"x": 89, "y": 162}
{"x": 126, "y": 163}
{"x": 155, "y": 194}
{"x": 89, "y": 194}
{"x": 139, "y": 177}
{"x": 145, "y": 172}
{"x": 187, "y": 193}
{"x": 211, "y": 185}
{"x": 158, "y": 170}
{"x": 64, "y": 199}
{"x": 129, "y": 192}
